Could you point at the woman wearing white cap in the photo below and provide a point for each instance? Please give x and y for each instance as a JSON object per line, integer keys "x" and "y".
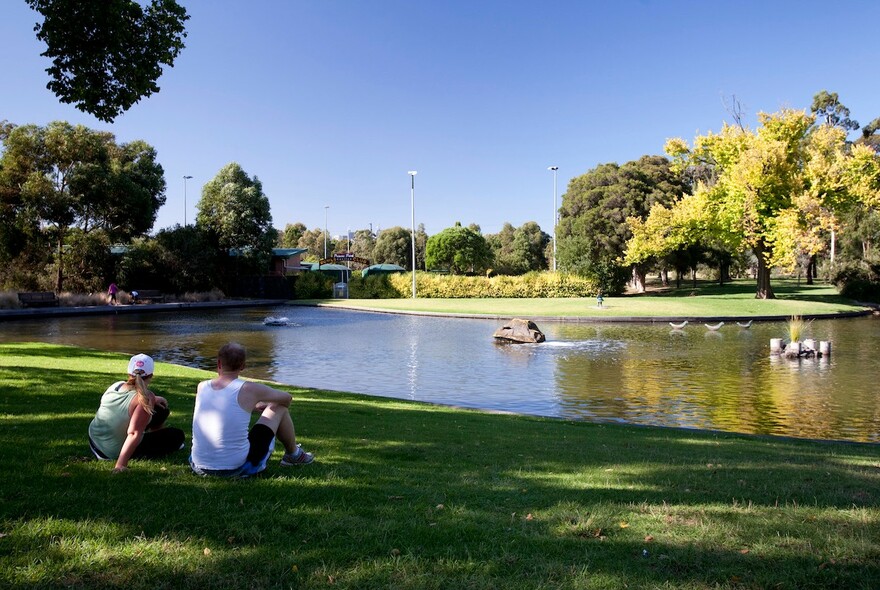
{"x": 129, "y": 422}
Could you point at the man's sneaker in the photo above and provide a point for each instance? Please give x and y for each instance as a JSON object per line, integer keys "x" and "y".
{"x": 298, "y": 457}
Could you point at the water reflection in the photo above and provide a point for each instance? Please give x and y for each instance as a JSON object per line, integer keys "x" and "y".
{"x": 634, "y": 373}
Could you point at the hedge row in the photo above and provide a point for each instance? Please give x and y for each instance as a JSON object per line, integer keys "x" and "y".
{"x": 536, "y": 284}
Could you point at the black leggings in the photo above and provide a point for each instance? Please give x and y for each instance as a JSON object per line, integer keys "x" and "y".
{"x": 157, "y": 441}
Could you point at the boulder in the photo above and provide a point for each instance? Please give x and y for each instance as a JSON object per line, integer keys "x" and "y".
{"x": 519, "y": 331}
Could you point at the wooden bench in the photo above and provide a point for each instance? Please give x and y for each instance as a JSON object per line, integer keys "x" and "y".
{"x": 39, "y": 299}
{"x": 149, "y": 295}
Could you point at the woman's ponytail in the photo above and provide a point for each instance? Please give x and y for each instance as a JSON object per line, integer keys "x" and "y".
{"x": 143, "y": 394}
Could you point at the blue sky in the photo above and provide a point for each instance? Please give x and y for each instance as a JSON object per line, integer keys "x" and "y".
{"x": 331, "y": 102}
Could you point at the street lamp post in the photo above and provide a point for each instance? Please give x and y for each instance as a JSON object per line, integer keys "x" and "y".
{"x": 325, "y": 230}
{"x": 185, "y": 178}
{"x": 412, "y": 202}
{"x": 555, "y": 214}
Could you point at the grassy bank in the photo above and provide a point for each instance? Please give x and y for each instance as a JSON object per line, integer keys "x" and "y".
{"x": 707, "y": 300}
{"x": 406, "y": 495}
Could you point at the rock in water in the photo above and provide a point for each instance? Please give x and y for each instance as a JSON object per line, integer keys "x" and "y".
{"x": 519, "y": 331}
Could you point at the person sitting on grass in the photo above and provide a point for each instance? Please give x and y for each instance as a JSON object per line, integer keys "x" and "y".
{"x": 130, "y": 421}
{"x": 222, "y": 445}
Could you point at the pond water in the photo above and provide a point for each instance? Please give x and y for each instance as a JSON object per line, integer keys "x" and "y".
{"x": 629, "y": 373}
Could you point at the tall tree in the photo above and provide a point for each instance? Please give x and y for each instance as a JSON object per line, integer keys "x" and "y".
{"x": 828, "y": 109}
{"x": 108, "y": 55}
{"x": 290, "y": 235}
{"x": 519, "y": 250}
{"x": 460, "y": 250}
{"x": 234, "y": 212}
{"x": 774, "y": 189}
{"x": 313, "y": 240}
{"x": 64, "y": 176}
{"x": 362, "y": 244}
{"x": 596, "y": 206}
{"x": 394, "y": 246}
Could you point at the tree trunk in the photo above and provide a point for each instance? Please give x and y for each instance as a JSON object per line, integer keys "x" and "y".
{"x": 638, "y": 279}
{"x": 678, "y": 273}
{"x": 811, "y": 269}
{"x": 694, "y": 275}
{"x": 59, "y": 277}
{"x": 664, "y": 277}
{"x": 764, "y": 289}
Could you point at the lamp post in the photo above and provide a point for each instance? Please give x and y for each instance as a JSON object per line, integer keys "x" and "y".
{"x": 325, "y": 230}
{"x": 412, "y": 202}
{"x": 185, "y": 178}
{"x": 555, "y": 213}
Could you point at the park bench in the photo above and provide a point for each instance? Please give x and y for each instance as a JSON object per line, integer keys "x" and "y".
{"x": 38, "y": 299}
{"x": 150, "y": 295}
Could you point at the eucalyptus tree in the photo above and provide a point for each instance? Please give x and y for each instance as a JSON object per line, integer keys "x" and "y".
{"x": 289, "y": 237}
{"x": 61, "y": 176}
{"x": 394, "y": 246}
{"x": 235, "y": 215}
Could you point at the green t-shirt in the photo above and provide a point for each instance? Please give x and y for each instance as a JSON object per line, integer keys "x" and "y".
{"x": 109, "y": 428}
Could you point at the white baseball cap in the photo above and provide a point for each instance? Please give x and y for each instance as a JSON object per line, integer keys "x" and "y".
{"x": 140, "y": 363}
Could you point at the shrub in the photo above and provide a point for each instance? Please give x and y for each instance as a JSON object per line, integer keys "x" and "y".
{"x": 313, "y": 285}
{"x": 372, "y": 287}
{"x": 533, "y": 284}
{"x": 859, "y": 282}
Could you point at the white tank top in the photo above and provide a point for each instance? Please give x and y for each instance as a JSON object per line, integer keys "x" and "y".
{"x": 220, "y": 427}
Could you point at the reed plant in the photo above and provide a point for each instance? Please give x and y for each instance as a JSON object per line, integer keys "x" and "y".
{"x": 797, "y": 327}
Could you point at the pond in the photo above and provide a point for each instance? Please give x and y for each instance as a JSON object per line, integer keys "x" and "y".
{"x": 629, "y": 373}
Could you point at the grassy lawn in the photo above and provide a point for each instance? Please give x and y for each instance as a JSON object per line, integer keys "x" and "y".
{"x": 411, "y": 496}
{"x": 736, "y": 299}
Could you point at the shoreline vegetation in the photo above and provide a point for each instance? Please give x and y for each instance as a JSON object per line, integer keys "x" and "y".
{"x": 708, "y": 300}
{"x": 412, "y": 496}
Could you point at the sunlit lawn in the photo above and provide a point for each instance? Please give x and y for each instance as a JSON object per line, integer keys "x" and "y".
{"x": 707, "y": 300}
{"x": 407, "y": 495}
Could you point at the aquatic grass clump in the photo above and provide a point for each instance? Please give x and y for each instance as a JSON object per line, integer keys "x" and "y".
{"x": 797, "y": 327}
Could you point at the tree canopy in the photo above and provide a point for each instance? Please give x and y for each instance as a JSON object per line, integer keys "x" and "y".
{"x": 593, "y": 229}
{"x": 234, "y": 212}
{"x": 61, "y": 176}
{"x": 774, "y": 191}
{"x": 519, "y": 250}
{"x": 394, "y": 246}
{"x": 108, "y": 55}
{"x": 460, "y": 250}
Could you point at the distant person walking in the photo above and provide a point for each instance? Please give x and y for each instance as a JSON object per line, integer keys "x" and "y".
{"x": 222, "y": 445}
{"x": 112, "y": 291}
{"x": 130, "y": 422}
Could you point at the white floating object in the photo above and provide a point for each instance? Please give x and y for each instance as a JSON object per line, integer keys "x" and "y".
{"x": 678, "y": 326}
{"x": 746, "y": 325}
{"x": 824, "y": 347}
{"x": 273, "y": 321}
{"x": 776, "y": 345}
{"x": 715, "y": 327}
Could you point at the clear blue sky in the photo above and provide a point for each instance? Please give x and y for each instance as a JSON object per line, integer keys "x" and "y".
{"x": 331, "y": 102}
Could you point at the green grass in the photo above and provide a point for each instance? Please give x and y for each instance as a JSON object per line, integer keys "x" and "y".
{"x": 735, "y": 299}
{"x": 412, "y": 496}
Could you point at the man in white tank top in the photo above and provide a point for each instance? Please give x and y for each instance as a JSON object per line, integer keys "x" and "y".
{"x": 222, "y": 444}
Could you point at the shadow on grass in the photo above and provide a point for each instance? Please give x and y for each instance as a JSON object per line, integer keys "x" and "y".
{"x": 406, "y": 495}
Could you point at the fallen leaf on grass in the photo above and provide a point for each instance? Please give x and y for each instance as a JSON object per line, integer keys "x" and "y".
{"x": 529, "y": 516}
{"x": 649, "y": 538}
{"x": 294, "y": 568}
{"x": 395, "y": 552}
{"x": 440, "y": 506}
{"x": 395, "y": 497}
{"x": 206, "y": 551}
{"x": 743, "y": 551}
{"x": 624, "y": 525}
